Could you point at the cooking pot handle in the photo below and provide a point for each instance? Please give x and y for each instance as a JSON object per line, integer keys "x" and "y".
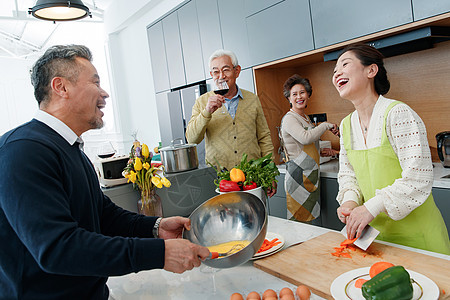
{"x": 179, "y": 143}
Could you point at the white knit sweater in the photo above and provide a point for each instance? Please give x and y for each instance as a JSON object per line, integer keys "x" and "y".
{"x": 407, "y": 135}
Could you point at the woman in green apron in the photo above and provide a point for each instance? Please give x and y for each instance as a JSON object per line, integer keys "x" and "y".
{"x": 300, "y": 139}
{"x": 385, "y": 169}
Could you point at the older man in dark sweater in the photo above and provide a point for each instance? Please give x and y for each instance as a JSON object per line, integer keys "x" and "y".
{"x": 62, "y": 237}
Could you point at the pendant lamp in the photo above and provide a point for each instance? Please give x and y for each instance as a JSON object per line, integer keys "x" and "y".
{"x": 59, "y": 10}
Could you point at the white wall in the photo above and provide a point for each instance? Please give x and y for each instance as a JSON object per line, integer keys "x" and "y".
{"x": 132, "y": 81}
{"x": 130, "y": 74}
{"x": 17, "y": 103}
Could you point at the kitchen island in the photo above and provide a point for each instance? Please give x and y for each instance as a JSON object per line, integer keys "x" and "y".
{"x": 201, "y": 283}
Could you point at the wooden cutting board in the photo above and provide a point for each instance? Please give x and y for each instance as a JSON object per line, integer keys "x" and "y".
{"x": 312, "y": 264}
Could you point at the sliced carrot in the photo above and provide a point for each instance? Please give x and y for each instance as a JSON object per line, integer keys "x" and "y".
{"x": 379, "y": 267}
{"x": 343, "y": 247}
{"x": 268, "y": 245}
{"x": 359, "y": 282}
{"x": 443, "y": 292}
{"x": 348, "y": 242}
{"x": 351, "y": 247}
{"x": 341, "y": 254}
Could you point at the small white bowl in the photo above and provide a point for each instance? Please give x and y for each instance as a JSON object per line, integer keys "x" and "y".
{"x": 258, "y": 192}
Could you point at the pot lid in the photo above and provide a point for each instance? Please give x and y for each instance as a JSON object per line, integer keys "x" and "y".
{"x": 177, "y": 144}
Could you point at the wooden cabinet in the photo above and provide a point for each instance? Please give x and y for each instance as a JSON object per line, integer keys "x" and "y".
{"x": 424, "y": 9}
{"x": 254, "y": 6}
{"x": 280, "y": 31}
{"x": 190, "y": 43}
{"x": 209, "y": 29}
{"x": 174, "y": 51}
{"x": 158, "y": 57}
{"x": 442, "y": 199}
{"x": 337, "y": 21}
{"x": 234, "y": 30}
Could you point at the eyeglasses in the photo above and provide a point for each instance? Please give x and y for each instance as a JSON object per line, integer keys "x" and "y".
{"x": 225, "y": 71}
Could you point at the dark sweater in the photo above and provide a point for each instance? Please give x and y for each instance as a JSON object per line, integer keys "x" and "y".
{"x": 61, "y": 236}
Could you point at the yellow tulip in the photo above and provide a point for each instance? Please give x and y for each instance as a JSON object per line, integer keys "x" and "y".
{"x": 157, "y": 182}
{"x": 166, "y": 182}
{"x": 146, "y": 165}
{"x": 131, "y": 176}
{"x": 145, "y": 151}
{"x": 137, "y": 164}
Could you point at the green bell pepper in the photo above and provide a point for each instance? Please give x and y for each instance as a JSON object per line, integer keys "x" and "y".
{"x": 394, "y": 283}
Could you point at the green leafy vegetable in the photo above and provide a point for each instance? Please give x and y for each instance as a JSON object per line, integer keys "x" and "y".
{"x": 263, "y": 171}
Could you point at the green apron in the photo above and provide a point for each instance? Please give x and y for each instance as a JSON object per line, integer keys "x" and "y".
{"x": 379, "y": 167}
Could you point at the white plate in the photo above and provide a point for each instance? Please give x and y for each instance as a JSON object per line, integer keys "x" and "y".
{"x": 270, "y": 236}
{"x": 343, "y": 287}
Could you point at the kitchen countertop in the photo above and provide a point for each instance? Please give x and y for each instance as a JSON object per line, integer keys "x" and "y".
{"x": 197, "y": 283}
{"x": 330, "y": 170}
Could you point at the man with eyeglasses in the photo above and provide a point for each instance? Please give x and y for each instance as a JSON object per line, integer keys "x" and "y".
{"x": 240, "y": 128}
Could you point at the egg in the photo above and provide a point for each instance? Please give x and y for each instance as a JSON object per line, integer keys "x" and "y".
{"x": 253, "y": 296}
{"x": 303, "y": 292}
{"x": 271, "y": 298}
{"x": 269, "y": 293}
{"x": 236, "y": 296}
{"x": 286, "y": 291}
{"x": 287, "y": 297}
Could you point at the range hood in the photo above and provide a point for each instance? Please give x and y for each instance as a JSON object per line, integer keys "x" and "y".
{"x": 411, "y": 41}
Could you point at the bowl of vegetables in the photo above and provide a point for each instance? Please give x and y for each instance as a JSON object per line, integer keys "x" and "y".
{"x": 255, "y": 176}
{"x": 257, "y": 191}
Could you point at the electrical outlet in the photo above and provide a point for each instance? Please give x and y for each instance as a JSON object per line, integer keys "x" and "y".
{"x": 318, "y": 118}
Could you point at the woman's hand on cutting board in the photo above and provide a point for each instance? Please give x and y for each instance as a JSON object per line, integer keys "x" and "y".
{"x": 345, "y": 209}
{"x": 357, "y": 221}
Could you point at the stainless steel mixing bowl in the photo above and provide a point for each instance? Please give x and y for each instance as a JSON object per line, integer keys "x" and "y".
{"x": 225, "y": 218}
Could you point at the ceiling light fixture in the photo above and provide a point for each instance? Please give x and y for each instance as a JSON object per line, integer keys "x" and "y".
{"x": 59, "y": 10}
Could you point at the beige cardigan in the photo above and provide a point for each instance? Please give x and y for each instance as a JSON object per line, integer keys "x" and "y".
{"x": 227, "y": 139}
{"x": 296, "y": 133}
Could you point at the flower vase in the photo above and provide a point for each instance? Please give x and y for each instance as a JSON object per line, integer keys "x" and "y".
{"x": 150, "y": 204}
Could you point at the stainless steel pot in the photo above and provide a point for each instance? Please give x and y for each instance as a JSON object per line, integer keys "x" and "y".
{"x": 179, "y": 156}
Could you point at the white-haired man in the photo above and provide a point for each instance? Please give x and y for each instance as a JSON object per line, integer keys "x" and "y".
{"x": 242, "y": 129}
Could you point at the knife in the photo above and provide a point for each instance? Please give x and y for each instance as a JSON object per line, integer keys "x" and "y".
{"x": 367, "y": 236}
